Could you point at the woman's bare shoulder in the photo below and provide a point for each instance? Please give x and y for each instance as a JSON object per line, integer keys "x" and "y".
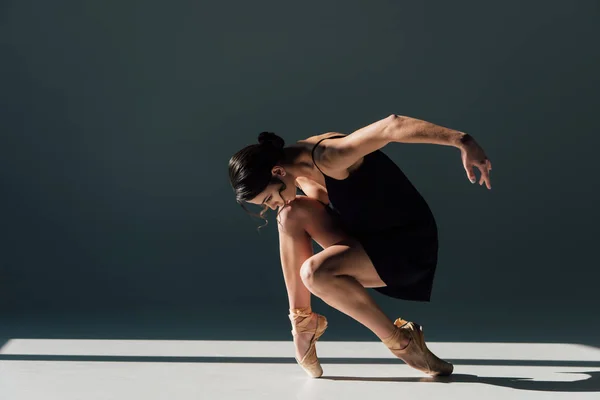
{"x": 311, "y": 140}
{"x": 312, "y": 189}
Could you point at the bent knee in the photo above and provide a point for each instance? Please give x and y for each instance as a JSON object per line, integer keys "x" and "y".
{"x": 313, "y": 270}
{"x": 308, "y": 271}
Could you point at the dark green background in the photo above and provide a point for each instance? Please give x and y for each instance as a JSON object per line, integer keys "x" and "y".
{"x": 118, "y": 119}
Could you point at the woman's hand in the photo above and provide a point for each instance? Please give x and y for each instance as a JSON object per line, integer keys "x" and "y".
{"x": 473, "y": 156}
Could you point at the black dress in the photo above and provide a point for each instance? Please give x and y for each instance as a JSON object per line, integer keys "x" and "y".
{"x": 380, "y": 207}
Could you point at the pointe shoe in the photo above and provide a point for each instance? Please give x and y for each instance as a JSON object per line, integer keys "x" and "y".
{"x": 416, "y": 354}
{"x": 310, "y": 363}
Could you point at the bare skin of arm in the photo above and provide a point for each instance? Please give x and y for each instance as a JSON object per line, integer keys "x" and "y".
{"x": 337, "y": 156}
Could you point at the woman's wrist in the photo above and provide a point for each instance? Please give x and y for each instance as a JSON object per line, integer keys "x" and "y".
{"x": 463, "y": 140}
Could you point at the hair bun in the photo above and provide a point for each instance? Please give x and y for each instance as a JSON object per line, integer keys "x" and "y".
{"x": 269, "y": 138}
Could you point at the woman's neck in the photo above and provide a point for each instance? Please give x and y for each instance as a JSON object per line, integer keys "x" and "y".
{"x": 302, "y": 166}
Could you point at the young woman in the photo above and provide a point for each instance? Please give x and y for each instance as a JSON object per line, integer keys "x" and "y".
{"x": 375, "y": 229}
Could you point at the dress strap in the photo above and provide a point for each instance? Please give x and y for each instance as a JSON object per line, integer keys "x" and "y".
{"x": 315, "y": 146}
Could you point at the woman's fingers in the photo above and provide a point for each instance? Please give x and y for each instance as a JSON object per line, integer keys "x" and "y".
{"x": 484, "y": 168}
{"x": 469, "y": 170}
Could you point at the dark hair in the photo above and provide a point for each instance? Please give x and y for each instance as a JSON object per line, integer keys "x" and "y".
{"x": 250, "y": 169}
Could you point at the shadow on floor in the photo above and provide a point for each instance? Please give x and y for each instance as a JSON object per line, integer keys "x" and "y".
{"x": 591, "y": 384}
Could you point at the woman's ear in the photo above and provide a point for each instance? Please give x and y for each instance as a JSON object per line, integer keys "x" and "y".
{"x": 278, "y": 170}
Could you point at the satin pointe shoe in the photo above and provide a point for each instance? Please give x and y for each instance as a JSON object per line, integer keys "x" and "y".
{"x": 300, "y": 318}
{"x": 416, "y": 354}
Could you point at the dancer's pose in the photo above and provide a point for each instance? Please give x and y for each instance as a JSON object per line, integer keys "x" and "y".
{"x": 375, "y": 229}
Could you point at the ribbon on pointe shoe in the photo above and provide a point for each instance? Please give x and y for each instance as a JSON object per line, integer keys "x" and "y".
{"x": 393, "y": 341}
{"x": 300, "y": 318}
{"x": 400, "y": 322}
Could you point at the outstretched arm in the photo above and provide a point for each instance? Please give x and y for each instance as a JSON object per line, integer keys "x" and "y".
{"x": 343, "y": 152}
{"x": 411, "y": 130}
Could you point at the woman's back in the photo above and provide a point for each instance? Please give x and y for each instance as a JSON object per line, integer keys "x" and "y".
{"x": 377, "y": 195}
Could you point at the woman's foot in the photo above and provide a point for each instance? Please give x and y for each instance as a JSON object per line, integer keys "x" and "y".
{"x": 307, "y": 329}
{"x": 415, "y": 353}
{"x": 302, "y": 340}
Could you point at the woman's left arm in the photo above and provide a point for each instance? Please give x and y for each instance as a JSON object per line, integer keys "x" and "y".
{"x": 343, "y": 152}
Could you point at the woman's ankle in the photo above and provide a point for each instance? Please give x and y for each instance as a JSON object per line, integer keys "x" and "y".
{"x": 398, "y": 339}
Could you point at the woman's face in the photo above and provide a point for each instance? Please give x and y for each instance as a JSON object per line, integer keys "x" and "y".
{"x": 277, "y": 194}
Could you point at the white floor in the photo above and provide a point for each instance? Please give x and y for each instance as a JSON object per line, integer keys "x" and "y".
{"x": 39, "y": 369}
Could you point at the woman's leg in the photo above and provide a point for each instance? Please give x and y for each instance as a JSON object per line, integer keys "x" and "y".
{"x": 295, "y": 248}
{"x": 338, "y": 274}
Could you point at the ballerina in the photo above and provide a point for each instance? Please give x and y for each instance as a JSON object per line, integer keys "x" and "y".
{"x": 375, "y": 228}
